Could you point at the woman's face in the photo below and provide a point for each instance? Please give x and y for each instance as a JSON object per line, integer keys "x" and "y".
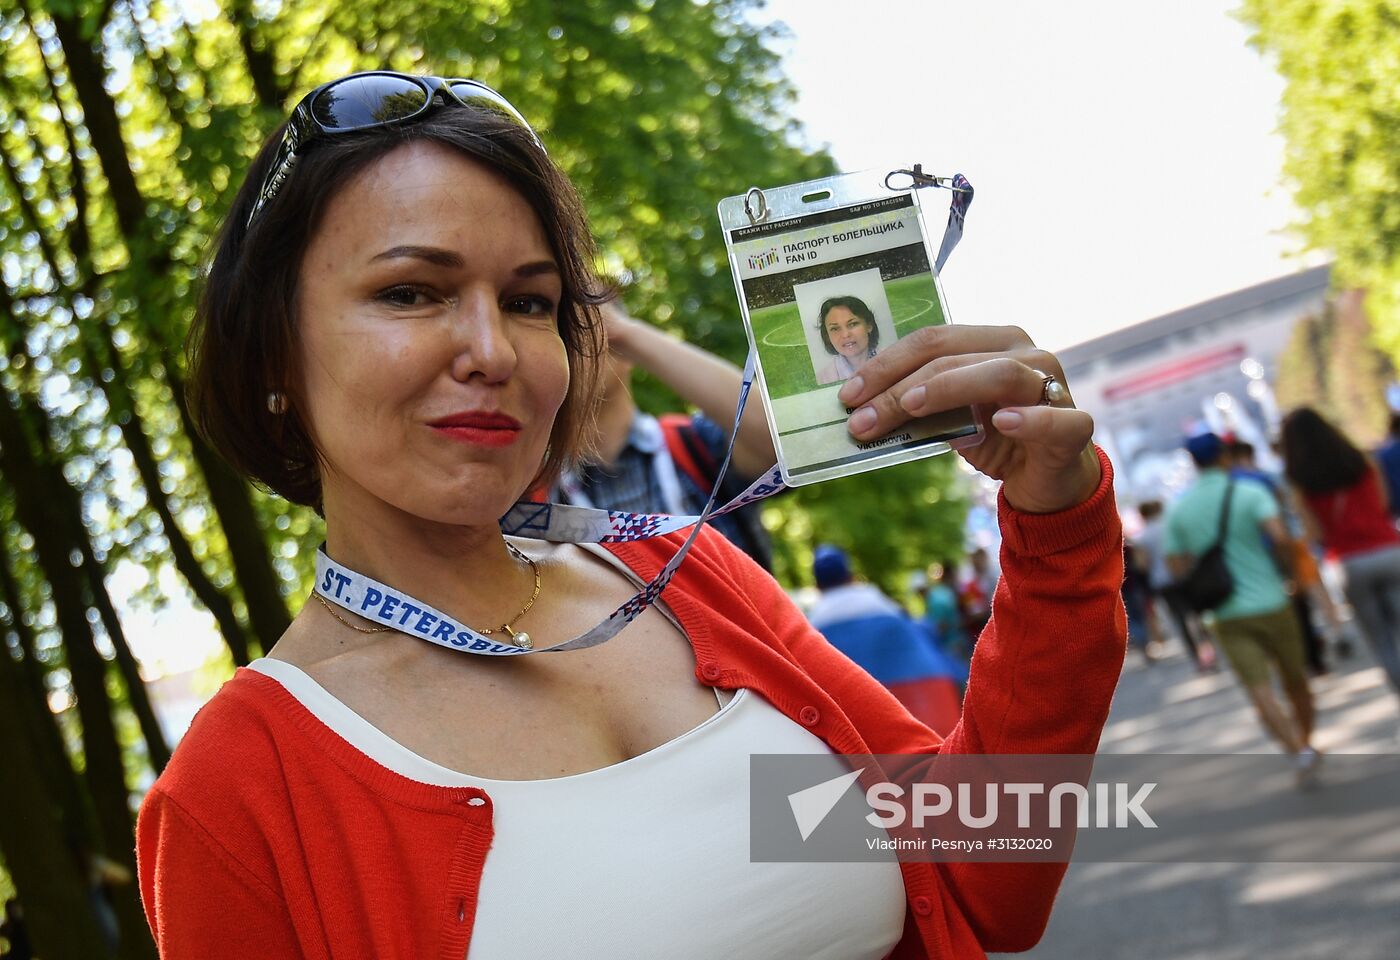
{"x": 431, "y": 362}
{"x": 848, "y": 333}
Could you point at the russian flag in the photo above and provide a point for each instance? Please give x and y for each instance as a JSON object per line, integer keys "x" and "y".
{"x": 879, "y": 636}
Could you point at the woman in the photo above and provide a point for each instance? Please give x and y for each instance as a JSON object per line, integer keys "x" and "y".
{"x": 1344, "y": 506}
{"x": 941, "y": 611}
{"x": 400, "y": 330}
{"x": 849, "y": 334}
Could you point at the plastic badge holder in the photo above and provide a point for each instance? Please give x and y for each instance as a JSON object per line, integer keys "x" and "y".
{"x": 859, "y": 249}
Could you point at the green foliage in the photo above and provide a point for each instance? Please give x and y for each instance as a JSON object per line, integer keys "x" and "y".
{"x": 891, "y": 521}
{"x": 1341, "y": 123}
{"x": 1332, "y": 365}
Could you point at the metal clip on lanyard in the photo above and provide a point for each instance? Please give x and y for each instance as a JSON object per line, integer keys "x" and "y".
{"x": 563, "y": 523}
{"x": 957, "y": 210}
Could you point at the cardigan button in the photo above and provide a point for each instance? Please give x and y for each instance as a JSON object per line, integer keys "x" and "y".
{"x": 809, "y": 716}
{"x": 923, "y": 906}
{"x": 710, "y": 671}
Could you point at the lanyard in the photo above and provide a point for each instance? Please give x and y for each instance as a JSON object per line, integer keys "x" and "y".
{"x": 563, "y": 523}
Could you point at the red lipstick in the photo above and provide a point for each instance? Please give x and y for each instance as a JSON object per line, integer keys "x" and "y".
{"x": 481, "y": 427}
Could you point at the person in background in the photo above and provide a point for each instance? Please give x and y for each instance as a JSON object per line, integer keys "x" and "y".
{"x": 941, "y": 611}
{"x": 669, "y": 464}
{"x": 1240, "y": 454}
{"x": 1388, "y": 455}
{"x": 975, "y": 594}
{"x": 1344, "y": 504}
{"x": 1255, "y": 626}
{"x": 1151, "y": 545}
{"x": 879, "y": 636}
{"x": 1137, "y": 603}
{"x": 1305, "y": 573}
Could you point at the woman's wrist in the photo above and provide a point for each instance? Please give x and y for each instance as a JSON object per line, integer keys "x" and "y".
{"x": 1040, "y": 534}
{"x": 1076, "y": 484}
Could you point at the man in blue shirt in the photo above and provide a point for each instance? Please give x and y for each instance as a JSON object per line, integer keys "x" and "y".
{"x": 879, "y": 636}
{"x": 1256, "y": 627}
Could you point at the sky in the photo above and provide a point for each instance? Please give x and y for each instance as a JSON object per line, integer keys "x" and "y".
{"x": 1124, "y": 155}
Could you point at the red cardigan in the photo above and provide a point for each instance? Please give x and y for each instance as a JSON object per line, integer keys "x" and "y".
{"x": 268, "y": 836}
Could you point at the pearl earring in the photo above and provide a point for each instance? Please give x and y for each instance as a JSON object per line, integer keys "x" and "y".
{"x": 277, "y": 402}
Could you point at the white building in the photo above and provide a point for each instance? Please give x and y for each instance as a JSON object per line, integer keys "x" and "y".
{"x": 1210, "y": 365}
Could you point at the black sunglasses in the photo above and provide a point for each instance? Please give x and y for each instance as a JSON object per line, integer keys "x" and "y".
{"x": 379, "y": 98}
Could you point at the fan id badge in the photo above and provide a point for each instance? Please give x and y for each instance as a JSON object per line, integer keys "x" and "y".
{"x": 829, "y": 273}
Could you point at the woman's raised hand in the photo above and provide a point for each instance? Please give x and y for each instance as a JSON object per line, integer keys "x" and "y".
{"x": 1041, "y": 453}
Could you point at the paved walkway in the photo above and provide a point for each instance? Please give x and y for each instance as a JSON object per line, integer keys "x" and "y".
{"x": 1229, "y": 911}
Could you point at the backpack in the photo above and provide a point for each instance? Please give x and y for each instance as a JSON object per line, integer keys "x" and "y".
{"x": 1210, "y": 583}
{"x": 694, "y": 459}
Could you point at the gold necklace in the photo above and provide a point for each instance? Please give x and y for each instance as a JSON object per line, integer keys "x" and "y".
{"x": 327, "y": 604}
{"x": 518, "y": 638}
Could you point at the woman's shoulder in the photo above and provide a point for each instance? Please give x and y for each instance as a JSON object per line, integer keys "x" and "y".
{"x": 711, "y": 557}
{"x": 235, "y": 744}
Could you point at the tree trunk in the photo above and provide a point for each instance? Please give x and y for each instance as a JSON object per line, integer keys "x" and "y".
{"x": 54, "y": 763}
{"x": 85, "y": 73}
{"x": 31, "y": 480}
{"x": 69, "y": 506}
{"x": 39, "y": 856}
{"x": 128, "y": 420}
{"x": 157, "y": 749}
{"x": 267, "y": 611}
{"x": 261, "y": 65}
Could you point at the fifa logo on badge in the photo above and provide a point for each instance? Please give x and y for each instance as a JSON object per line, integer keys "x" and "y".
{"x": 762, "y": 261}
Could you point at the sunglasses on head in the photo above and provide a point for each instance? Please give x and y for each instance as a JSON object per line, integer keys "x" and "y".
{"x": 379, "y": 98}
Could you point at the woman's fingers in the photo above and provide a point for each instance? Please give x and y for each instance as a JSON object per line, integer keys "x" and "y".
{"x": 907, "y": 354}
{"x": 952, "y": 382}
{"x": 1057, "y": 466}
{"x": 1062, "y": 427}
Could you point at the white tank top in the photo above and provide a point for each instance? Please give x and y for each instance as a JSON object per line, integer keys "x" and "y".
{"x": 648, "y": 857}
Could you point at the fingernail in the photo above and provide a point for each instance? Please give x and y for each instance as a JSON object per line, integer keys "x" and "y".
{"x": 1007, "y": 420}
{"x": 851, "y": 390}
{"x": 913, "y": 399}
{"x": 863, "y": 419}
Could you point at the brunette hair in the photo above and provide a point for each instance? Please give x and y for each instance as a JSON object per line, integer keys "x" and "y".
{"x": 1317, "y": 457}
{"x": 857, "y": 306}
{"x": 242, "y": 341}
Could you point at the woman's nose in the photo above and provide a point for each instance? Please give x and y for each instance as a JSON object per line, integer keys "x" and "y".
{"x": 481, "y": 340}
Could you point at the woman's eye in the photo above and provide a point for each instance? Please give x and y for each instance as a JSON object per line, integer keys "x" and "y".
{"x": 406, "y": 295}
{"x": 531, "y": 306}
